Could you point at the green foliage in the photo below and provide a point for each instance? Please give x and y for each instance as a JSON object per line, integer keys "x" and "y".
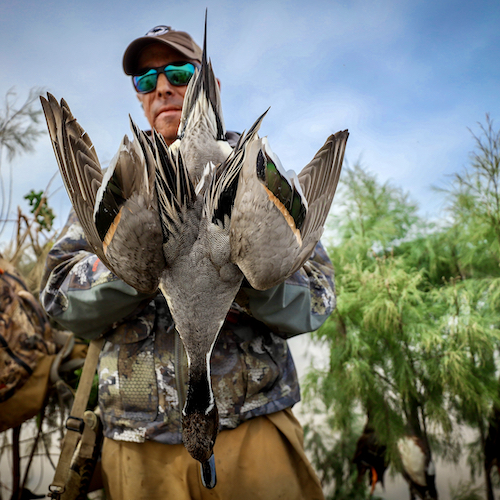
{"x": 20, "y": 128}
{"x": 466, "y": 491}
{"x": 474, "y": 205}
{"x": 372, "y": 217}
{"x": 434, "y": 251}
{"x": 40, "y": 208}
{"x": 415, "y": 338}
{"x": 470, "y": 336}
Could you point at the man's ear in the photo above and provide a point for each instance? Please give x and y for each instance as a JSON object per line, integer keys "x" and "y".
{"x": 140, "y": 97}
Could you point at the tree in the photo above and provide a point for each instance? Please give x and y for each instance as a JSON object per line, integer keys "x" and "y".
{"x": 19, "y": 130}
{"x": 474, "y": 206}
{"x": 413, "y": 338}
{"x": 377, "y": 335}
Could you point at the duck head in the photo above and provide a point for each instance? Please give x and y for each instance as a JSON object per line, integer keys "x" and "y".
{"x": 199, "y": 431}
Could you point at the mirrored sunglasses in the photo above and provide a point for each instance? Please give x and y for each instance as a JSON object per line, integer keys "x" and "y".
{"x": 177, "y": 74}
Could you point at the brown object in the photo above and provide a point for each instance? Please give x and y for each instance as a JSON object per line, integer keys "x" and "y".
{"x": 83, "y": 464}
{"x": 83, "y": 438}
{"x": 27, "y": 350}
{"x": 28, "y": 401}
{"x": 177, "y": 40}
{"x": 262, "y": 458}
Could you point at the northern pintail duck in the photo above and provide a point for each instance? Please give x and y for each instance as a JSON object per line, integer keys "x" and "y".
{"x": 193, "y": 231}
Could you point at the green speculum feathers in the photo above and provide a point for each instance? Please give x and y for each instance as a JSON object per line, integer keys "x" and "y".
{"x": 298, "y": 211}
{"x": 271, "y": 177}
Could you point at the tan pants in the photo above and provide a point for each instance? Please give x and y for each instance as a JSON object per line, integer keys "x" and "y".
{"x": 261, "y": 459}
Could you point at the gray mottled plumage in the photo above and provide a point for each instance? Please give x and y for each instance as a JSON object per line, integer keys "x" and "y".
{"x": 199, "y": 281}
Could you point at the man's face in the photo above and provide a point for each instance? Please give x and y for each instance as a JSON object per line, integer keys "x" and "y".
{"x": 162, "y": 106}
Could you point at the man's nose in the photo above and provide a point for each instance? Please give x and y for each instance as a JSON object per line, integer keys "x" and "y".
{"x": 163, "y": 86}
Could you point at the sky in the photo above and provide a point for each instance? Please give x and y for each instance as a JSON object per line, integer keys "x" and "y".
{"x": 410, "y": 79}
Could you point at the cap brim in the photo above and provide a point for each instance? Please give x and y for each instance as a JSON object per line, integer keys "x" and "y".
{"x": 132, "y": 53}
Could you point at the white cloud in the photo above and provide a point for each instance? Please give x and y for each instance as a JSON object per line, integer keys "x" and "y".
{"x": 392, "y": 73}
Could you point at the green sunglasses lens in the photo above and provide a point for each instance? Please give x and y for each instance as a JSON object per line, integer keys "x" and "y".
{"x": 176, "y": 75}
{"x": 179, "y": 75}
{"x": 147, "y": 82}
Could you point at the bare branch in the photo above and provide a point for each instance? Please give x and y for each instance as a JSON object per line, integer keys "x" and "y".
{"x": 20, "y": 128}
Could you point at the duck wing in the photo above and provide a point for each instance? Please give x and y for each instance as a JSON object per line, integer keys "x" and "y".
{"x": 278, "y": 217}
{"x": 318, "y": 181}
{"x": 78, "y": 164}
{"x": 117, "y": 209}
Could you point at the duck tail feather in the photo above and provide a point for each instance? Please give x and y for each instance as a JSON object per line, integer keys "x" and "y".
{"x": 203, "y": 93}
{"x": 175, "y": 190}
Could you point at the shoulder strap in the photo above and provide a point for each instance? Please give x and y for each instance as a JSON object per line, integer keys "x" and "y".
{"x": 75, "y": 424}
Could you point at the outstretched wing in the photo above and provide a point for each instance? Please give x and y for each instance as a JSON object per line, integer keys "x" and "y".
{"x": 117, "y": 210}
{"x": 278, "y": 218}
{"x": 78, "y": 164}
{"x": 318, "y": 181}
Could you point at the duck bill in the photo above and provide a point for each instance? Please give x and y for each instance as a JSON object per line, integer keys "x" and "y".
{"x": 208, "y": 474}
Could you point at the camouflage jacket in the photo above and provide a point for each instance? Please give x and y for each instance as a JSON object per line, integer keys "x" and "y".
{"x": 141, "y": 372}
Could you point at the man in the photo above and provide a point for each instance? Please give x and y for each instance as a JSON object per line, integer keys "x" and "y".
{"x": 259, "y": 451}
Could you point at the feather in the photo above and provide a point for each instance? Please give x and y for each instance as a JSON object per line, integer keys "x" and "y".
{"x": 277, "y": 218}
{"x": 118, "y": 210}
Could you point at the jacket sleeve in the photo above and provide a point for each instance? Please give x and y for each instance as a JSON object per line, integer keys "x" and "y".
{"x": 77, "y": 289}
{"x": 300, "y": 304}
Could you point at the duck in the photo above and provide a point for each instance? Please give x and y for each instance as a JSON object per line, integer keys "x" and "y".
{"x": 370, "y": 455}
{"x": 194, "y": 233}
{"x": 419, "y": 469}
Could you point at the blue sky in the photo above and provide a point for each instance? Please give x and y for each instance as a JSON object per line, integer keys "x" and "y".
{"x": 407, "y": 78}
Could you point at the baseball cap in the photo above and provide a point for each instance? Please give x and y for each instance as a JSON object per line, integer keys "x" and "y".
{"x": 178, "y": 40}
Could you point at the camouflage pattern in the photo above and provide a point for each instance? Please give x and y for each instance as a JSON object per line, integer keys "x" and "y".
{"x": 252, "y": 370}
{"x": 25, "y": 333}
